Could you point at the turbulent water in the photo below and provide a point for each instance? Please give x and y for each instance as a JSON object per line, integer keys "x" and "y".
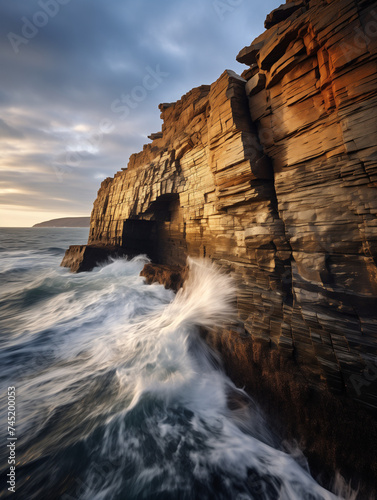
{"x": 117, "y": 397}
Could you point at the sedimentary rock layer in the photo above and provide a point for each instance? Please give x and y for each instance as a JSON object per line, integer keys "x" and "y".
{"x": 80, "y": 258}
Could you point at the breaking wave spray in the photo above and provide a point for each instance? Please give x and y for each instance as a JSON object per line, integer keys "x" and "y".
{"x": 119, "y": 397}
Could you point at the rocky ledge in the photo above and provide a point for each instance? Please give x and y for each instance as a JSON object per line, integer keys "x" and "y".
{"x": 80, "y": 258}
{"x": 273, "y": 175}
{"x": 172, "y": 277}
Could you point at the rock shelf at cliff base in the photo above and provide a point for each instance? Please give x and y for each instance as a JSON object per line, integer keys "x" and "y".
{"x": 273, "y": 175}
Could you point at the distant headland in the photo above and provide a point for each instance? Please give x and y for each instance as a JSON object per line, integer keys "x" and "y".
{"x": 66, "y": 222}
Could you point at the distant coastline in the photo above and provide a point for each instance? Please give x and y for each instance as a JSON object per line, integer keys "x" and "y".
{"x": 66, "y": 222}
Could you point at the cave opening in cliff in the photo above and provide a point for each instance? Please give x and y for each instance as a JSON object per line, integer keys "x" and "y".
{"x": 158, "y": 232}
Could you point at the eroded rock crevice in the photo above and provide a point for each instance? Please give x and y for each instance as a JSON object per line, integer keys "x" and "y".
{"x": 159, "y": 232}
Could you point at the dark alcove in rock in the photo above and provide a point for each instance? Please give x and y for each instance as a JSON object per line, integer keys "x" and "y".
{"x": 159, "y": 232}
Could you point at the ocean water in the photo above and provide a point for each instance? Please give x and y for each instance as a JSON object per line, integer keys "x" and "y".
{"x": 117, "y": 396}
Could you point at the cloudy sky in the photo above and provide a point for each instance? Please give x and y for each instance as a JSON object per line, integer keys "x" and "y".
{"x": 80, "y": 82}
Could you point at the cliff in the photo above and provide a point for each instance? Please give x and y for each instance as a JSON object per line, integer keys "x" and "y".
{"x": 273, "y": 175}
{"x": 66, "y": 222}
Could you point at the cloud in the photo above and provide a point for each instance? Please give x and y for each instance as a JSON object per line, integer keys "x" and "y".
{"x": 60, "y": 88}
{"x": 8, "y": 131}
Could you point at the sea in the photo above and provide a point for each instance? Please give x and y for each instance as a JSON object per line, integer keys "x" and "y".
{"x": 113, "y": 393}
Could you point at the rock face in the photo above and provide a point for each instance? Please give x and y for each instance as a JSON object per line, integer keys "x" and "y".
{"x": 172, "y": 277}
{"x": 80, "y": 258}
{"x": 317, "y": 121}
{"x": 274, "y": 176}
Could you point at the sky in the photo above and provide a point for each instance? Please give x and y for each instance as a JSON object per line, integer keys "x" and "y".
{"x": 80, "y": 84}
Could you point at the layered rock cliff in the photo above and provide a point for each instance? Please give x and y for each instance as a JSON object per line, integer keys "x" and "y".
{"x": 274, "y": 175}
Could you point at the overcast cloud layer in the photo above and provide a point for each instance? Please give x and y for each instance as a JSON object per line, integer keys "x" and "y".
{"x": 81, "y": 81}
